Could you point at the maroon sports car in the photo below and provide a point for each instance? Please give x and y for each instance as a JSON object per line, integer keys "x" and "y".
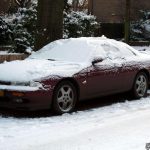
{"x": 66, "y": 71}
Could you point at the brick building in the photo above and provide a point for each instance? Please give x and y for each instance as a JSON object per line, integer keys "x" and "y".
{"x": 111, "y": 13}
{"x": 5, "y": 5}
{"x": 10, "y": 5}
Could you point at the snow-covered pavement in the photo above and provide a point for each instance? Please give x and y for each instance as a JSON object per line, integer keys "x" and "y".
{"x": 121, "y": 126}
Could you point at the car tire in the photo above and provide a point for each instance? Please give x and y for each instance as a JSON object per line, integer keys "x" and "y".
{"x": 65, "y": 98}
{"x": 140, "y": 85}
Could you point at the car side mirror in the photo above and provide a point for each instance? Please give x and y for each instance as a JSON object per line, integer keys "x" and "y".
{"x": 97, "y": 60}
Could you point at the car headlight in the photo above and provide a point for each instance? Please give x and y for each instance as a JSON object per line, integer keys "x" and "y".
{"x": 35, "y": 84}
{"x": 20, "y": 83}
{"x": 31, "y": 84}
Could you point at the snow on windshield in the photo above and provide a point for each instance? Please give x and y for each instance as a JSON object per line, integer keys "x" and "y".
{"x": 83, "y": 49}
{"x": 74, "y": 50}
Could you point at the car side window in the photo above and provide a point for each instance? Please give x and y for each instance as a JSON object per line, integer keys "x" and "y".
{"x": 126, "y": 52}
{"x": 112, "y": 52}
{"x": 117, "y": 52}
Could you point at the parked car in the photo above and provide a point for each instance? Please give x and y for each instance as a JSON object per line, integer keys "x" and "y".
{"x": 70, "y": 70}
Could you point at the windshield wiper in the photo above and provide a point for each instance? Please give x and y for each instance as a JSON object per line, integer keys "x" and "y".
{"x": 51, "y": 59}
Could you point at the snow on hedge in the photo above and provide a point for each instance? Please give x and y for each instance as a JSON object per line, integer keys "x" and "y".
{"x": 140, "y": 30}
{"x": 79, "y": 24}
{"x": 19, "y": 29}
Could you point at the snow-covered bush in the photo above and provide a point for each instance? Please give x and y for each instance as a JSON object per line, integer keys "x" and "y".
{"x": 140, "y": 30}
{"x": 77, "y": 24}
{"x": 22, "y": 26}
{"x": 19, "y": 28}
{"x": 5, "y": 32}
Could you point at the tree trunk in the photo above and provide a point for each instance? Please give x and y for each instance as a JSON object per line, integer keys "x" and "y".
{"x": 50, "y": 21}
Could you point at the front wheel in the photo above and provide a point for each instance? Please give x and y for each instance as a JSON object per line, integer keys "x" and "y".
{"x": 65, "y": 98}
{"x": 140, "y": 86}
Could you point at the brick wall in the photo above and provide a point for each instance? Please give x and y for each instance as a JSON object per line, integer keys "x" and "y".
{"x": 113, "y": 11}
{"x": 5, "y": 5}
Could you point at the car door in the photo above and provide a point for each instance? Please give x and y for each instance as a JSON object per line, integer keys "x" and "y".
{"x": 130, "y": 67}
{"x": 105, "y": 77}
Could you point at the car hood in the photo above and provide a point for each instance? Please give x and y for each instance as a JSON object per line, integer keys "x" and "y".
{"x": 34, "y": 69}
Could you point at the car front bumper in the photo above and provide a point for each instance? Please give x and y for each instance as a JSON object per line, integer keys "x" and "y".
{"x": 25, "y": 100}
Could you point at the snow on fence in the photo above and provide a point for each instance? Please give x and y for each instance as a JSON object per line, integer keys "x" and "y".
{"x": 6, "y": 56}
{"x": 11, "y": 57}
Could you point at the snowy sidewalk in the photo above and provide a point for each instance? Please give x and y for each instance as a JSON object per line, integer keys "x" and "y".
{"x": 122, "y": 126}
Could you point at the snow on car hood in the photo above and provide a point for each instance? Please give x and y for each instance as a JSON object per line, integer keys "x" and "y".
{"x": 33, "y": 69}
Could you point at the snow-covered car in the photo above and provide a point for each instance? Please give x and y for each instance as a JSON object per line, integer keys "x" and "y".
{"x": 66, "y": 71}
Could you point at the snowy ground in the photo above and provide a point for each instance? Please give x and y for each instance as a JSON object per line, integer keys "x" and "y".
{"x": 120, "y": 126}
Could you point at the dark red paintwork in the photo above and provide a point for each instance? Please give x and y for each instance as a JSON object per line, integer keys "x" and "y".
{"x": 94, "y": 81}
{"x": 90, "y": 82}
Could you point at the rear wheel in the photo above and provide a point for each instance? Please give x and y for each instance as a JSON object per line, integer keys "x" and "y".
{"x": 65, "y": 97}
{"x": 140, "y": 86}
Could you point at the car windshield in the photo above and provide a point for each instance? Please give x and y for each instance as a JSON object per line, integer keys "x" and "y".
{"x": 72, "y": 50}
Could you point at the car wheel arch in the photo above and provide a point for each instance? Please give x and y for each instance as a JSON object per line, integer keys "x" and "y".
{"x": 140, "y": 71}
{"x": 71, "y": 80}
{"x": 144, "y": 71}
{"x": 57, "y": 106}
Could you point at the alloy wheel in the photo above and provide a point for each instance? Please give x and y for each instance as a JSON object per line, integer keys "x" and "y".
{"x": 65, "y": 98}
{"x": 141, "y": 85}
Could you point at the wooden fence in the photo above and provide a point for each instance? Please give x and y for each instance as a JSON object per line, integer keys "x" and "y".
{"x": 4, "y": 56}
{"x": 9, "y": 57}
{"x": 139, "y": 43}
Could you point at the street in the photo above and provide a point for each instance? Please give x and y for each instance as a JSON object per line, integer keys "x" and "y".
{"x": 121, "y": 124}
